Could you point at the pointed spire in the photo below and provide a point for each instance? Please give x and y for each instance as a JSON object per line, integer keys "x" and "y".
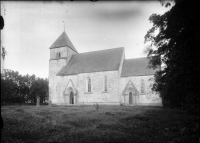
{"x": 62, "y": 41}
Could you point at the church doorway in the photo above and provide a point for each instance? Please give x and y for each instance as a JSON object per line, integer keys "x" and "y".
{"x": 71, "y": 97}
{"x": 130, "y": 98}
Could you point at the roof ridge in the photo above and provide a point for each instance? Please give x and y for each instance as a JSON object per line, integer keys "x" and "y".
{"x": 101, "y": 50}
{"x": 136, "y": 58}
{"x": 140, "y": 58}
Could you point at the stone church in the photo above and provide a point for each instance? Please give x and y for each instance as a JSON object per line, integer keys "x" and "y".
{"x": 103, "y": 77}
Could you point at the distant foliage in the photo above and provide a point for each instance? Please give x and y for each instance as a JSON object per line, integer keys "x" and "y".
{"x": 177, "y": 47}
{"x": 16, "y": 88}
{"x": 39, "y": 88}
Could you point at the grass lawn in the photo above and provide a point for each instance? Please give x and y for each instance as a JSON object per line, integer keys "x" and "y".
{"x": 85, "y": 124}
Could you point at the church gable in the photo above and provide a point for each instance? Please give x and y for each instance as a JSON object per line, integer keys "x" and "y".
{"x": 70, "y": 87}
{"x": 130, "y": 88}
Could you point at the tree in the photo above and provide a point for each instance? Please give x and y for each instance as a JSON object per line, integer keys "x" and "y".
{"x": 11, "y": 87}
{"x": 177, "y": 46}
{"x": 8, "y": 89}
{"x": 26, "y": 85}
{"x": 39, "y": 89}
{"x": 16, "y": 88}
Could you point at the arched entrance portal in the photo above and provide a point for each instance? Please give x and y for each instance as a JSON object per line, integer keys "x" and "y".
{"x": 130, "y": 94}
{"x": 130, "y": 98}
{"x": 70, "y": 93}
{"x": 71, "y": 98}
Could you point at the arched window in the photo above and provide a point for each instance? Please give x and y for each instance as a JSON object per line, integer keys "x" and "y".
{"x": 142, "y": 86}
{"x": 89, "y": 85}
{"x": 105, "y": 84}
{"x": 58, "y": 55}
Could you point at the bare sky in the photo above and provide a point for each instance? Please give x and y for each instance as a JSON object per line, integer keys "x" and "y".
{"x": 32, "y": 27}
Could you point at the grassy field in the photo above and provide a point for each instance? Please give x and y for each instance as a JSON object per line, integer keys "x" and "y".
{"x": 85, "y": 124}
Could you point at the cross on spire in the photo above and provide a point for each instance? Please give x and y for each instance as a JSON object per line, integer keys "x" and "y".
{"x": 64, "y": 25}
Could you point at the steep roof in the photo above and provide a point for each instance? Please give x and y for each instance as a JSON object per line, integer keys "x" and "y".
{"x": 137, "y": 67}
{"x": 104, "y": 60}
{"x": 63, "y": 40}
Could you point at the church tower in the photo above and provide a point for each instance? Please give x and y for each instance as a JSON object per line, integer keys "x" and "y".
{"x": 60, "y": 53}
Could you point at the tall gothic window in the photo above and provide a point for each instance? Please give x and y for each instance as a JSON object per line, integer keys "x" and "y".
{"x": 89, "y": 85}
{"x": 142, "y": 86}
{"x": 105, "y": 84}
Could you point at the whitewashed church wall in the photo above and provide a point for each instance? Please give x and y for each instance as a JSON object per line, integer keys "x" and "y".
{"x": 57, "y": 83}
{"x": 62, "y": 82}
{"x": 148, "y": 97}
{"x": 52, "y": 78}
{"x": 54, "y": 68}
{"x": 97, "y": 94}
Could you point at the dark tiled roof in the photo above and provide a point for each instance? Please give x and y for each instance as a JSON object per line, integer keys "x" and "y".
{"x": 104, "y": 60}
{"x": 63, "y": 40}
{"x": 137, "y": 67}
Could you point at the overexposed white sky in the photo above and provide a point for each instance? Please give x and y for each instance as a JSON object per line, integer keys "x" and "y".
{"x": 32, "y": 27}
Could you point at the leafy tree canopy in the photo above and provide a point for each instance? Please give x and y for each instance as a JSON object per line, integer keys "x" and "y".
{"x": 177, "y": 46}
{"x": 16, "y": 88}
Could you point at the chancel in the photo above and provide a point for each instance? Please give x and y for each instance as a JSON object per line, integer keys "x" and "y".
{"x": 98, "y": 77}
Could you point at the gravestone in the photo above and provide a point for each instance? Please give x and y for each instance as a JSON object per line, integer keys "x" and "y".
{"x": 50, "y": 104}
{"x": 38, "y": 103}
{"x": 97, "y": 107}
